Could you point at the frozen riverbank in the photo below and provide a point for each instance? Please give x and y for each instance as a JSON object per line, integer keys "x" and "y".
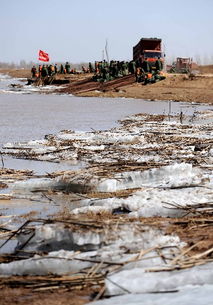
{"x": 138, "y": 216}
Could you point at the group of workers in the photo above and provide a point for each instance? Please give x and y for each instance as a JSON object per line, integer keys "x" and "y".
{"x": 104, "y": 71}
{"x": 144, "y": 71}
{"x": 50, "y": 70}
{"x": 149, "y": 72}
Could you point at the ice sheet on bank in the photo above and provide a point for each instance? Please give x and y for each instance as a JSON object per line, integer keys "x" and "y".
{"x": 172, "y": 176}
{"x": 201, "y": 295}
{"x": 55, "y": 237}
{"x": 110, "y": 245}
{"x": 61, "y": 262}
{"x": 151, "y": 202}
{"x": 137, "y": 280}
{"x": 37, "y": 184}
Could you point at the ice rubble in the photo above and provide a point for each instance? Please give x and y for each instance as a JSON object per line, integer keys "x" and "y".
{"x": 132, "y": 277}
{"x": 41, "y": 150}
{"x": 177, "y": 175}
{"x": 172, "y": 176}
{"x": 60, "y": 262}
{"x": 156, "y": 191}
{"x": 159, "y": 190}
{"x": 138, "y": 140}
{"x": 51, "y": 237}
{"x": 190, "y": 295}
{"x": 38, "y": 184}
{"x": 137, "y": 280}
{"x": 111, "y": 245}
{"x": 171, "y": 182}
{"x": 150, "y": 202}
{"x": 55, "y": 237}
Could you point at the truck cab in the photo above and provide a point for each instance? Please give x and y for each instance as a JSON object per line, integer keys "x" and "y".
{"x": 149, "y": 49}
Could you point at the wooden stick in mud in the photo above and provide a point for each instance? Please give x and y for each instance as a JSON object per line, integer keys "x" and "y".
{"x": 2, "y": 160}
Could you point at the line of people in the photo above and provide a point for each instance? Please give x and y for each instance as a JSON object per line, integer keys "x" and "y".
{"x": 50, "y": 70}
{"x": 104, "y": 71}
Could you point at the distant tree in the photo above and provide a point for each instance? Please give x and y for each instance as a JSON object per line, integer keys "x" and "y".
{"x": 23, "y": 63}
{"x": 198, "y": 59}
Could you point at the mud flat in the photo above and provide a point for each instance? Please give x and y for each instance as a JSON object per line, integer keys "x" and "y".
{"x": 137, "y": 220}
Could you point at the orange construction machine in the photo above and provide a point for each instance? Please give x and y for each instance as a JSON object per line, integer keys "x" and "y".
{"x": 183, "y": 65}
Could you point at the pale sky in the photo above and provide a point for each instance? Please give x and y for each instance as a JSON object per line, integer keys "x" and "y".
{"x": 76, "y": 30}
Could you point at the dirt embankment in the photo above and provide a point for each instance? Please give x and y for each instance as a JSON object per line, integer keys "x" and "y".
{"x": 174, "y": 87}
{"x": 20, "y": 73}
{"x": 206, "y": 69}
{"x": 178, "y": 87}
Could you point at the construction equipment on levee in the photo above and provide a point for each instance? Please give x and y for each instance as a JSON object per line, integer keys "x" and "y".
{"x": 183, "y": 65}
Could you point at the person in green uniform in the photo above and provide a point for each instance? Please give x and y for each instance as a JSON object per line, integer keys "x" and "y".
{"x": 33, "y": 71}
{"x": 91, "y": 69}
{"x": 62, "y": 69}
{"x": 145, "y": 65}
{"x": 158, "y": 64}
{"x": 132, "y": 67}
{"x": 56, "y": 68}
{"x": 49, "y": 68}
{"x": 44, "y": 71}
{"x": 67, "y": 67}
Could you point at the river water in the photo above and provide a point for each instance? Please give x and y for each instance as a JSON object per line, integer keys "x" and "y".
{"x": 26, "y": 114}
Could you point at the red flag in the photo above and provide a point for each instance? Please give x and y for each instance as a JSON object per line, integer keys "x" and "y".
{"x": 43, "y": 56}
